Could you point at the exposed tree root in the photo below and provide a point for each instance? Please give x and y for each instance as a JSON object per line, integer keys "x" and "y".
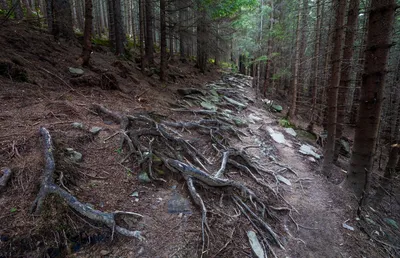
{"x": 49, "y": 187}
{"x": 148, "y": 139}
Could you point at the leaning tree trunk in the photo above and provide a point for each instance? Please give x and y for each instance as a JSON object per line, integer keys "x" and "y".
{"x": 380, "y": 27}
{"x": 87, "y": 35}
{"x": 332, "y": 93}
{"x": 345, "y": 77}
{"x": 163, "y": 30}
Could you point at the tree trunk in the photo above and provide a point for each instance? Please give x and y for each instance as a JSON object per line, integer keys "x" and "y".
{"x": 332, "y": 93}
{"x": 111, "y": 28}
{"x": 202, "y": 40}
{"x": 268, "y": 67}
{"x": 380, "y": 25}
{"x": 87, "y": 35}
{"x": 19, "y": 14}
{"x": 49, "y": 13}
{"x": 163, "y": 31}
{"x": 182, "y": 40}
{"x": 3, "y": 4}
{"x": 141, "y": 35}
{"x": 149, "y": 47}
{"x": 119, "y": 29}
{"x": 315, "y": 69}
{"x": 344, "y": 85}
{"x": 293, "y": 105}
{"x": 62, "y": 20}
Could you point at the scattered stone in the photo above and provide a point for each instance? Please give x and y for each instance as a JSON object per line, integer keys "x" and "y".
{"x": 276, "y": 136}
{"x": 104, "y": 252}
{"x": 347, "y": 226}
{"x": 255, "y": 245}
{"x": 234, "y": 102}
{"x": 178, "y": 204}
{"x": 283, "y": 180}
{"x": 141, "y": 251}
{"x": 189, "y": 91}
{"x": 74, "y": 155}
{"x": 144, "y": 177}
{"x": 95, "y": 130}
{"x": 76, "y": 71}
{"x": 312, "y": 159}
{"x": 77, "y": 125}
{"x": 291, "y": 131}
{"x": 309, "y": 150}
{"x": 254, "y": 118}
{"x": 135, "y": 194}
{"x": 276, "y": 108}
{"x": 208, "y": 105}
{"x": 239, "y": 122}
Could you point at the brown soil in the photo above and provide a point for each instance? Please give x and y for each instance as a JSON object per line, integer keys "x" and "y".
{"x": 37, "y": 90}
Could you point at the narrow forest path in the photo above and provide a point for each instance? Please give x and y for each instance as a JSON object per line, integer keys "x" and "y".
{"x": 318, "y": 206}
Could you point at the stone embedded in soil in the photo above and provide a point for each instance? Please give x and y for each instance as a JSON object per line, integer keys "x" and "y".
{"x": 77, "y": 125}
{"x": 240, "y": 122}
{"x": 76, "y": 71}
{"x": 253, "y": 119}
{"x": 74, "y": 155}
{"x": 143, "y": 177}
{"x": 255, "y": 245}
{"x": 104, "y": 252}
{"x": 208, "y": 105}
{"x": 95, "y": 129}
{"x": 283, "y": 180}
{"x": 309, "y": 150}
{"x": 178, "y": 204}
{"x": 276, "y": 136}
{"x": 291, "y": 131}
{"x": 234, "y": 102}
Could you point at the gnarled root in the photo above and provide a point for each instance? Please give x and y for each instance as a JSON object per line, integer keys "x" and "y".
{"x": 49, "y": 187}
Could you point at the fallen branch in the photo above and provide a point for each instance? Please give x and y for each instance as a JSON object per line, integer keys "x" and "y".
{"x": 49, "y": 187}
{"x": 4, "y": 177}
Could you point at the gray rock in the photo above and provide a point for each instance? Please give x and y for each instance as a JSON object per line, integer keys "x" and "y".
{"x": 77, "y": 125}
{"x": 253, "y": 119}
{"x": 309, "y": 150}
{"x": 276, "y": 136}
{"x": 240, "y": 122}
{"x": 74, "y": 155}
{"x": 290, "y": 131}
{"x": 104, "y": 252}
{"x": 276, "y": 108}
{"x": 208, "y": 105}
{"x": 76, "y": 71}
{"x": 283, "y": 180}
{"x": 95, "y": 129}
{"x": 234, "y": 102}
{"x": 144, "y": 177}
{"x": 255, "y": 244}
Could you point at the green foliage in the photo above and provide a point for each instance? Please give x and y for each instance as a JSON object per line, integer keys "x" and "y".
{"x": 285, "y": 123}
{"x": 100, "y": 42}
{"x": 13, "y": 209}
{"x": 227, "y": 8}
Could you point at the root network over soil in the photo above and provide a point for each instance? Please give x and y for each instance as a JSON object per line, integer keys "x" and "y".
{"x": 191, "y": 152}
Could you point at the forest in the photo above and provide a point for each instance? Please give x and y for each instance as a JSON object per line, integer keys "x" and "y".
{"x": 199, "y": 128}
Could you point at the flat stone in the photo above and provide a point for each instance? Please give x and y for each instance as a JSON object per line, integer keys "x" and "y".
{"x": 276, "y": 136}
{"x": 255, "y": 245}
{"x": 254, "y": 118}
{"x": 104, "y": 252}
{"x": 144, "y": 177}
{"x": 76, "y": 71}
{"x": 309, "y": 150}
{"x": 208, "y": 105}
{"x": 74, "y": 155}
{"x": 284, "y": 180}
{"x": 95, "y": 129}
{"x": 77, "y": 125}
{"x": 234, "y": 102}
{"x": 290, "y": 131}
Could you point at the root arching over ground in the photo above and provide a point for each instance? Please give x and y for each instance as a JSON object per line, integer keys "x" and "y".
{"x": 198, "y": 151}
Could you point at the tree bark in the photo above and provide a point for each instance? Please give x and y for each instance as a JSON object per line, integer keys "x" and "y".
{"x": 202, "y": 39}
{"x": 3, "y": 4}
{"x": 344, "y": 85}
{"x": 62, "y": 20}
{"x": 332, "y": 93}
{"x": 163, "y": 28}
{"x": 141, "y": 35}
{"x": 315, "y": 65}
{"x": 293, "y": 105}
{"x": 149, "y": 47}
{"x": 19, "y": 14}
{"x": 380, "y": 25}
{"x": 87, "y": 35}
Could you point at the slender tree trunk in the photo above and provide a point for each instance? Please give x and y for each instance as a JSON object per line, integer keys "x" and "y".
{"x": 163, "y": 30}
{"x": 332, "y": 93}
{"x": 87, "y": 35}
{"x": 3, "y": 4}
{"x": 380, "y": 25}
{"x": 49, "y": 13}
{"x": 315, "y": 65}
{"x": 111, "y": 28}
{"x": 119, "y": 29}
{"x": 268, "y": 67}
{"x": 344, "y": 85}
{"x": 293, "y": 106}
{"x": 141, "y": 35}
{"x": 62, "y": 21}
{"x": 182, "y": 40}
{"x": 149, "y": 47}
{"x": 19, "y": 14}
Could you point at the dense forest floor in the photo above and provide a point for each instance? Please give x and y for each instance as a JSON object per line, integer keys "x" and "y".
{"x": 39, "y": 90}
